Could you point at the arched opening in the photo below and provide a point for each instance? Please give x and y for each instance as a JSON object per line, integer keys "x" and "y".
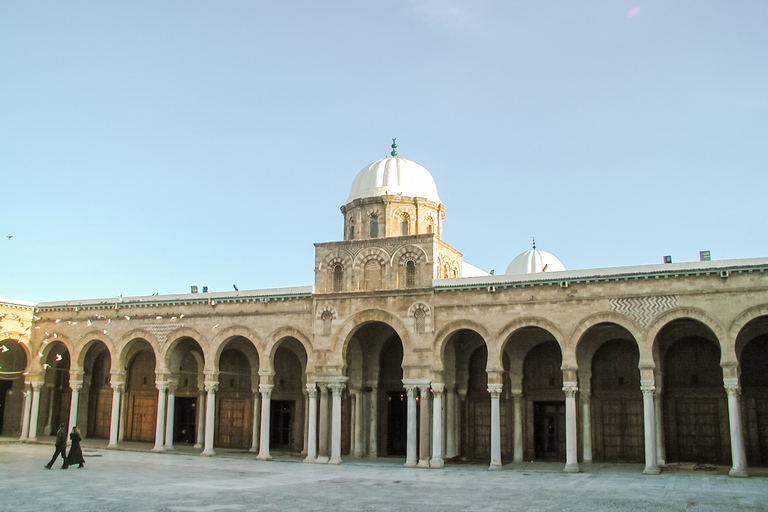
{"x": 543, "y": 390}
{"x": 338, "y": 277}
{"x": 186, "y": 380}
{"x": 13, "y": 364}
{"x": 59, "y": 394}
{"x": 288, "y": 406}
{"x": 140, "y": 394}
{"x": 753, "y": 361}
{"x": 374, "y": 366}
{"x": 695, "y": 407}
{"x": 410, "y": 273}
{"x": 97, "y": 392}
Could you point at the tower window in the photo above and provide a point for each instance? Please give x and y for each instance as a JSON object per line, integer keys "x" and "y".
{"x": 410, "y": 273}
{"x": 352, "y": 232}
{"x": 404, "y": 227}
{"x": 338, "y": 278}
{"x": 327, "y": 318}
{"x": 374, "y": 228}
{"x": 419, "y": 320}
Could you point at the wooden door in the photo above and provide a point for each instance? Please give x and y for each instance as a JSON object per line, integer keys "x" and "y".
{"x": 100, "y": 417}
{"x": 623, "y": 431}
{"x": 234, "y": 431}
{"x": 480, "y": 430}
{"x": 698, "y": 431}
{"x": 143, "y": 418}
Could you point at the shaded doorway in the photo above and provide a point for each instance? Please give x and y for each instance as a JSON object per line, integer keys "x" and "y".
{"x": 5, "y": 385}
{"x": 281, "y": 422}
{"x": 398, "y": 420}
{"x": 549, "y": 430}
{"x": 185, "y": 414}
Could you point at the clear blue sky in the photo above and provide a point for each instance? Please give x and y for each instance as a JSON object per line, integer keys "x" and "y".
{"x": 147, "y": 146}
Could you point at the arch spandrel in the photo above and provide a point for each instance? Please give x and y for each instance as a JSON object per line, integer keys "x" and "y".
{"x": 275, "y": 339}
{"x": 698, "y": 315}
{"x": 576, "y": 338}
{"x": 348, "y": 328}
{"x": 444, "y": 334}
{"x": 737, "y": 326}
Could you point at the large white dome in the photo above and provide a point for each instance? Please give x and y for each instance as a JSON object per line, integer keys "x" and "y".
{"x": 394, "y": 176}
{"x": 534, "y": 261}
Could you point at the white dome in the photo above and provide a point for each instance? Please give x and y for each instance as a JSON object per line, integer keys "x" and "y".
{"x": 534, "y": 261}
{"x": 394, "y": 176}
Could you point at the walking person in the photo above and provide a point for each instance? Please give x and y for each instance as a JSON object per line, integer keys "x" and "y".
{"x": 61, "y": 448}
{"x": 75, "y": 452}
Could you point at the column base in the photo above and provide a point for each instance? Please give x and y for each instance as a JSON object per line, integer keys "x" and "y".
{"x": 158, "y": 449}
{"x": 653, "y": 470}
{"x": 409, "y": 464}
{"x": 310, "y": 460}
{"x": 208, "y": 453}
{"x": 738, "y": 473}
{"x": 198, "y": 445}
{"x": 323, "y": 459}
{"x": 424, "y": 463}
{"x": 112, "y": 446}
{"x": 436, "y": 463}
{"x": 263, "y": 456}
{"x": 571, "y": 468}
{"x": 169, "y": 448}
{"x": 254, "y": 449}
{"x": 334, "y": 460}
{"x": 495, "y": 466}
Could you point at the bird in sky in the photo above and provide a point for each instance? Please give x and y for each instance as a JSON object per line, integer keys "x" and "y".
{"x": 10, "y": 236}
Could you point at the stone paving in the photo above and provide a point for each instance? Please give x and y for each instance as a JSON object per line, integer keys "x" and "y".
{"x": 118, "y": 480}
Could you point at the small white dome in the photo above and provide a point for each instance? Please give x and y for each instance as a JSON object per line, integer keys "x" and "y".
{"x": 535, "y": 261}
{"x": 394, "y": 176}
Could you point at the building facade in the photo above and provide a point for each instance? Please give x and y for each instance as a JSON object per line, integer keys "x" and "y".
{"x": 401, "y": 349}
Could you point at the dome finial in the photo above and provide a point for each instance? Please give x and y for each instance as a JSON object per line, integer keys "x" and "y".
{"x": 394, "y": 148}
{"x": 534, "y": 243}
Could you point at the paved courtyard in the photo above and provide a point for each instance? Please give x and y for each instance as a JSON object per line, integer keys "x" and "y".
{"x": 140, "y": 481}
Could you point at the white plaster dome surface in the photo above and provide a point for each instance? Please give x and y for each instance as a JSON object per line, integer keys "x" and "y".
{"x": 533, "y": 262}
{"x": 394, "y": 176}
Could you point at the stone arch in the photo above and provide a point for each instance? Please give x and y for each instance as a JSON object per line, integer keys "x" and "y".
{"x": 165, "y": 363}
{"x": 323, "y": 309}
{"x": 519, "y": 323}
{"x": 130, "y": 348}
{"x": 17, "y": 337}
{"x": 679, "y": 314}
{"x": 45, "y": 347}
{"x": 444, "y": 334}
{"x": 575, "y": 339}
{"x": 275, "y": 339}
{"x": 219, "y": 342}
{"x": 738, "y": 325}
{"x": 347, "y": 329}
{"x": 334, "y": 257}
{"x": 409, "y": 252}
{"x": 371, "y": 253}
{"x": 87, "y": 340}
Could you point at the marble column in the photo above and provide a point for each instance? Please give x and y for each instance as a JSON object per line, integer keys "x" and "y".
{"x": 114, "y": 422}
{"x": 266, "y": 409}
{"x": 357, "y": 450}
{"x": 312, "y": 424}
{"x": 121, "y": 428}
{"x": 571, "y": 430}
{"x": 211, "y": 387}
{"x": 200, "y": 437}
{"x": 25, "y": 415}
{"x": 423, "y": 426}
{"x": 495, "y": 391}
{"x": 517, "y": 431}
{"x": 450, "y": 424}
{"x": 411, "y": 444}
{"x": 661, "y": 452}
{"x": 738, "y": 454}
{"x": 255, "y": 429}
{"x": 337, "y": 388}
{"x": 305, "y": 447}
{"x": 649, "y": 426}
{"x": 170, "y": 417}
{"x": 437, "y": 426}
{"x": 374, "y": 432}
{"x": 51, "y": 393}
{"x": 162, "y": 387}
{"x": 74, "y": 404}
{"x": 34, "y": 410}
{"x": 586, "y": 421}
{"x": 323, "y": 457}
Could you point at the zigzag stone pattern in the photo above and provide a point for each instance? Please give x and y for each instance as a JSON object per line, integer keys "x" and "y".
{"x": 160, "y": 331}
{"x": 643, "y": 309}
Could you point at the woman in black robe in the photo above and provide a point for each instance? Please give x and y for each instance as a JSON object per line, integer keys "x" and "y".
{"x": 75, "y": 455}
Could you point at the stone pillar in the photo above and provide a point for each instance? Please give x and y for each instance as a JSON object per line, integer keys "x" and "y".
{"x": 571, "y": 445}
{"x": 411, "y": 444}
{"x": 649, "y": 425}
{"x": 372, "y": 449}
{"x": 738, "y": 454}
{"x": 211, "y": 386}
{"x": 25, "y": 415}
{"x": 495, "y": 391}
{"x": 323, "y": 457}
{"x": 357, "y": 449}
{"x": 114, "y": 422}
{"x": 337, "y": 388}
{"x": 34, "y": 410}
{"x": 437, "y": 426}
{"x": 586, "y": 419}
{"x": 661, "y": 452}
{"x": 48, "y": 427}
{"x": 162, "y": 387}
{"x": 312, "y": 424}
{"x": 170, "y": 417}
{"x": 121, "y": 428}
{"x": 306, "y": 423}
{"x": 76, "y": 386}
{"x": 200, "y": 420}
{"x": 461, "y": 427}
{"x": 255, "y": 429}
{"x": 266, "y": 407}
{"x": 450, "y": 424}
{"x": 423, "y": 426}
{"x": 518, "y": 427}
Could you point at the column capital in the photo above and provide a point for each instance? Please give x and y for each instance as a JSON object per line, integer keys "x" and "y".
{"x": 266, "y": 390}
{"x": 495, "y": 390}
{"x": 76, "y": 385}
{"x": 733, "y": 390}
{"x": 648, "y": 390}
{"x": 337, "y": 387}
{"x": 410, "y": 391}
{"x": 37, "y": 385}
{"x": 311, "y": 390}
{"x": 211, "y": 386}
{"x": 172, "y": 385}
{"x": 161, "y": 385}
{"x": 117, "y": 385}
{"x": 438, "y": 388}
{"x": 570, "y": 389}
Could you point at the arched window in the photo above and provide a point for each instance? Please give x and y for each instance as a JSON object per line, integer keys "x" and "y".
{"x": 410, "y": 273}
{"x": 374, "y": 226}
{"x": 338, "y": 277}
{"x": 405, "y": 221}
{"x": 351, "y": 231}
{"x": 419, "y": 320}
{"x": 327, "y": 318}
{"x": 430, "y": 229}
